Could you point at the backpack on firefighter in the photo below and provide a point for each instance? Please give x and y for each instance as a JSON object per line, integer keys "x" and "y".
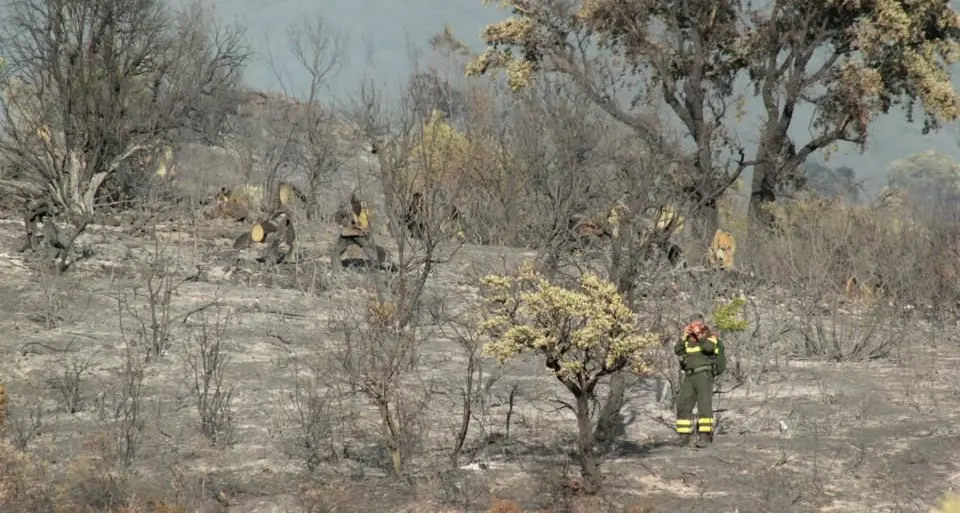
{"x": 719, "y": 356}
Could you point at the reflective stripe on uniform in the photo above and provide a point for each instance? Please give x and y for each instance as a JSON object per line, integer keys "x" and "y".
{"x": 716, "y": 343}
{"x": 696, "y": 347}
{"x": 705, "y": 425}
{"x": 684, "y": 426}
{"x": 702, "y": 368}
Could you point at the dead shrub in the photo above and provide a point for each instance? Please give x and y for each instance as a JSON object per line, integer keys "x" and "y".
{"x": 337, "y": 496}
{"x": 153, "y": 320}
{"x": 322, "y": 414}
{"x": 206, "y": 363}
{"x": 69, "y": 382}
{"x": 473, "y": 389}
{"x": 23, "y": 423}
{"x": 835, "y": 334}
{"x": 379, "y": 357}
{"x": 25, "y": 483}
{"x": 92, "y": 482}
{"x": 150, "y": 507}
{"x": 123, "y": 410}
{"x": 824, "y": 247}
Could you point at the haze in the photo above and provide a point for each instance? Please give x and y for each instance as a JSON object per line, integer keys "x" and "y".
{"x": 381, "y": 33}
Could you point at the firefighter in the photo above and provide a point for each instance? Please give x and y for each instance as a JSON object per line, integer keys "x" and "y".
{"x": 355, "y": 230}
{"x": 701, "y": 359}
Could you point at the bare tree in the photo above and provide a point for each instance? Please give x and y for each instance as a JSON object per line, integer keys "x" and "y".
{"x": 422, "y": 165}
{"x": 91, "y": 83}
{"x": 477, "y": 380}
{"x": 380, "y": 354}
{"x": 319, "y": 51}
{"x": 564, "y": 171}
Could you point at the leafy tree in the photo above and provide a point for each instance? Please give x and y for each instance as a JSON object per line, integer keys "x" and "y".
{"x": 877, "y": 55}
{"x": 928, "y": 176}
{"x": 553, "y": 36}
{"x": 583, "y": 334}
{"x": 848, "y": 60}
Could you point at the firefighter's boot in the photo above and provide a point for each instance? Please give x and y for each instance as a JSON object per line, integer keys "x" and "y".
{"x": 704, "y": 439}
{"x": 685, "y": 439}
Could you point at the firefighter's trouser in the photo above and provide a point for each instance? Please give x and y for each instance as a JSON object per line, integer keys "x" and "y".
{"x": 696, "y": 390}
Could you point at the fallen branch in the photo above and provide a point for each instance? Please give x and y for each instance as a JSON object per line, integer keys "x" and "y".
{"x": 199, "y": 309}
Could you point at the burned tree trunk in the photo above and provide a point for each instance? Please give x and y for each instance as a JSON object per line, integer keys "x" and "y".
{"x": 32, "y": 219}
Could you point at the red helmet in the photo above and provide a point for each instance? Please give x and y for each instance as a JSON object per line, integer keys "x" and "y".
{"x": 696, "y": 328}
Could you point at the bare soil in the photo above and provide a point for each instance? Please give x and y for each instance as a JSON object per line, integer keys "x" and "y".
{"x": 804, "y": 436}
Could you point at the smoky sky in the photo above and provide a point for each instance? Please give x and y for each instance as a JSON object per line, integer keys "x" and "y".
{"x": 380, "y": 35}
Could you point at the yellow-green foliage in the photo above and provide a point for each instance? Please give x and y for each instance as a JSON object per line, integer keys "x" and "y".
{"x": 727, "y": 315}
{"x": 860, "y": 82}
{"x": 584, "y": 333}
{"x": 440, "y": 155}
{"x": 949, "y": 503}
{"x": 165, "y": 163}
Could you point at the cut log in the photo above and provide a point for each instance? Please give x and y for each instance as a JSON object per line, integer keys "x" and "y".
{"x": 261, "y": 230}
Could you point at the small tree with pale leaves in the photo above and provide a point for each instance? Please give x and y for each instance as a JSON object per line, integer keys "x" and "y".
{"x": 584, "y": 333}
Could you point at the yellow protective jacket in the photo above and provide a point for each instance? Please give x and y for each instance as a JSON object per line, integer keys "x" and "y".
{"x": 353, "y": 224}
{"x": 696, "y": 356}
{"x": 362, "y": 220}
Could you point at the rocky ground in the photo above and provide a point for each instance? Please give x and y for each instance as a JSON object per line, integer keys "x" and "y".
{"x": 799, "y": 436}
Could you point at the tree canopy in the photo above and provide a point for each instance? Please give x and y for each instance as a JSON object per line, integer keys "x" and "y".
{"x": 926, "y": 176}
{"x": 848, "y": 60}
